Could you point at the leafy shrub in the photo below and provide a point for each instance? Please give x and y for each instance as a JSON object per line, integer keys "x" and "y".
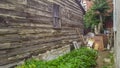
{"x": 81, "y": 58}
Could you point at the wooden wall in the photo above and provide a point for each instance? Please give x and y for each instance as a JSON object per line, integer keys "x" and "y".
{"x": 26, "y": 27}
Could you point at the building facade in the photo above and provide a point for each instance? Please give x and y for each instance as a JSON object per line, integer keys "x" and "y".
{"x": 31, "y": 27}
{"x": 87, "y": 4}
{"x": 117, "y": 32}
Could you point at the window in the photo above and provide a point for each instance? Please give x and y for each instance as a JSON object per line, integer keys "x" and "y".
{"x": 56, "y": 16}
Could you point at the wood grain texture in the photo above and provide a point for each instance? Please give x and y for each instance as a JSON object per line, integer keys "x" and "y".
{"x": 26, "y": 27}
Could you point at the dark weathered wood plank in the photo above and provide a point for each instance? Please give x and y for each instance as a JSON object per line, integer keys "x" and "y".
{"x": 26, "y": 27}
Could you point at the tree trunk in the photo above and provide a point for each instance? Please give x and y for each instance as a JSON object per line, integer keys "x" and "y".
{"x": 96, "y": 31}
{"x": 101, "y": 22}
{"x": 98, "y": 28}
{"x": 100, "y": 25}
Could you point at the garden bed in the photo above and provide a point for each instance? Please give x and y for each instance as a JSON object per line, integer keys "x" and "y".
{"x": 80, "y": 58}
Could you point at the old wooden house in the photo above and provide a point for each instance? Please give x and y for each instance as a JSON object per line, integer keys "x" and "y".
{"x": 32, "y": 27}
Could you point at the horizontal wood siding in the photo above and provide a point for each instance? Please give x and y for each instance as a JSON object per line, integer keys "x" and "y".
{"x": 26, "y": 27}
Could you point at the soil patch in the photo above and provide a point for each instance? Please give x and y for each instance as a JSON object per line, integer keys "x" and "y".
{"x": 100, "y": 59}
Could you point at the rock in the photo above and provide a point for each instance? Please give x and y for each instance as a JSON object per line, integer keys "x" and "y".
{"x": 107, "y": 60}
{"x": 112, "y": 50}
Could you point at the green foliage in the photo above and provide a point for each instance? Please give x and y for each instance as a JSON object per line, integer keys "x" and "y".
{"x": 90, "y": 19}
{"x": 92, "y": 16}
{"x": 101, "y": 6}
{"x": 81, "y": 58}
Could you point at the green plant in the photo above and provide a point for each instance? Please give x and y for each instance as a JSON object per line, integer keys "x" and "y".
{"x": 90, "y": 19}
{"x": 81, "y": 58}
{"x": 101, "y": 7}
{"x": 96, "y": 16}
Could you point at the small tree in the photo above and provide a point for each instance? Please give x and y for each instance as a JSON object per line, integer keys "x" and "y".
{"x": 100, "y": 8}
{"x": 90, "y": 19}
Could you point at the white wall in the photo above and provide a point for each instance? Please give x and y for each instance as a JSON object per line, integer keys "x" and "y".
{"x": 117, "y": 32}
